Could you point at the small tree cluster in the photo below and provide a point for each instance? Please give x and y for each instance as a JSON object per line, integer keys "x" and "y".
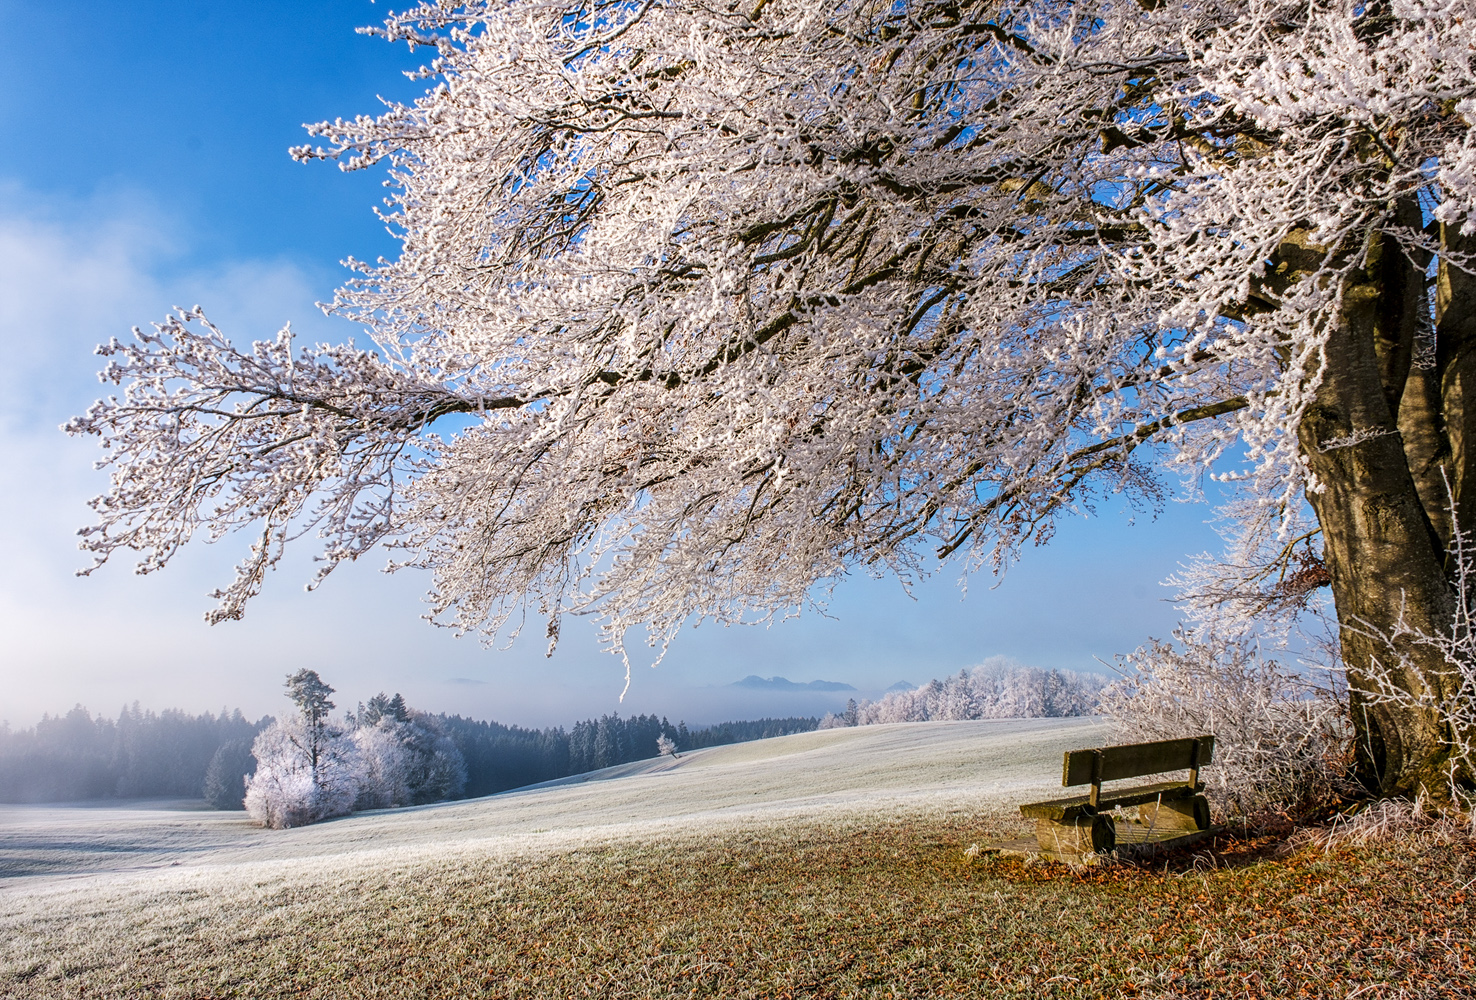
{"x": 406, "y": 756}
{"x": 310, "y": 768}
{"x": 305, "y": 769}
{"x": 995, "y": 689}
{"x": 304, "y": 773}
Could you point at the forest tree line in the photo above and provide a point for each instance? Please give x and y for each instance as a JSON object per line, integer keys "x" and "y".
{"x": 500, "y": 757}
{"x": 174, "y": 754}
{"x": 140, "y": 754}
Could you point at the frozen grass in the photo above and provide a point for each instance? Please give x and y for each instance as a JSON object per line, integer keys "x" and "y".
{"x": 870, "y": 771}
{"x": 822, "y": 865}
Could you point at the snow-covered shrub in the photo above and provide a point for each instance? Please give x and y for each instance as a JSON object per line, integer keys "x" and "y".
{"x": 1281, "y": 738}
{"x": 406, "y": 757}
{"x": 303, "y": 774}
{"x": 665, "y": 746}
{"x": 384, "y": 766}
{"x": 995, "y": 689}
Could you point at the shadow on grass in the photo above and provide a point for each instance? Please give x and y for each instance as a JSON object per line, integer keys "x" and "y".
{"x": 1227, "y": 850}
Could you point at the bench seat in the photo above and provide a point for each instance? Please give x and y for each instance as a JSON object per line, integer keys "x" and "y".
{"x": 1064, "y": 810}
{"x": 1079, "y": 829}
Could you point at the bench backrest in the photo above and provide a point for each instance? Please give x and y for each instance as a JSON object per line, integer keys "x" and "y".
{"x": 1135, "y": 760}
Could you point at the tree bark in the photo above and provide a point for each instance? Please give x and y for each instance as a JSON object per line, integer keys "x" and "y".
{"x": 1387, "y": 430}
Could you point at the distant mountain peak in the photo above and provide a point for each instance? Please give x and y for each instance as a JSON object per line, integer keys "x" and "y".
{"x": 785, "y": 684}
{"x": 903, "y": 686}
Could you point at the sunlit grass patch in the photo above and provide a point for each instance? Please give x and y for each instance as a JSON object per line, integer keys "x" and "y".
{"x": 808, "y": 911}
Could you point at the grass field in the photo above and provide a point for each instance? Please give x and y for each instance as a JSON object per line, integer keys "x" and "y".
{"x": 833, "y": 891}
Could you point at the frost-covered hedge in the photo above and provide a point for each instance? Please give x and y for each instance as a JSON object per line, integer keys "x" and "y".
{"x": 995, "y": 689}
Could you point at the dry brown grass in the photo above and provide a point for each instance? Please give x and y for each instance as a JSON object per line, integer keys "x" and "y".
{"x": 813, "y": 911}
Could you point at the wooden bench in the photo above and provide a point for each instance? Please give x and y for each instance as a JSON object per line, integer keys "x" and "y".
{"x": 1170, "y": 813}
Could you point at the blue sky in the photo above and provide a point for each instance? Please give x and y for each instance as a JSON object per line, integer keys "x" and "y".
{"x": 144, "y": 165}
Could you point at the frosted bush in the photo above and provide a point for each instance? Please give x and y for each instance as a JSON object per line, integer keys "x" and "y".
{"x": 301, "y": 777}
{"x": 1281, "y": 738}
{"x": 407, "y": 761}
{"x": 384, "y": 766}
{"x": 280, "y": 798}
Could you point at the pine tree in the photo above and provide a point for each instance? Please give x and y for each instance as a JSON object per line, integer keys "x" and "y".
{"x": 230, "y": 768}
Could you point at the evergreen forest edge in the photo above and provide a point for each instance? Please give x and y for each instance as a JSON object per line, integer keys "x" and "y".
{"x": 174, "y": 754}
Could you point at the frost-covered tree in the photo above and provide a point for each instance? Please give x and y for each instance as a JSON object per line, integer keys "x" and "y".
{"x": 307, "y": 768}
{"x": 291, "y": 787}
{"x": 699, "y": 304}
{"x": 405, "y": 756}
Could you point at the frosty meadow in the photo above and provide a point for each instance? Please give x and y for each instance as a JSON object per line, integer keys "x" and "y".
{"x": 699, "y": 306}
{"x": 831, "y": 863}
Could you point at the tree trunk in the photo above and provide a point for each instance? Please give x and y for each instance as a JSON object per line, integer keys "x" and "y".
{"x": 1386, "y": 432}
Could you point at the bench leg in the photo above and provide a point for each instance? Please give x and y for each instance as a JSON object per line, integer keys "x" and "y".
{"x": 1177, "y": 814}
{"x": 1073, "y": 840}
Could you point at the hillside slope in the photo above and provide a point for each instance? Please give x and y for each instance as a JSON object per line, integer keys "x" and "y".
{"x": 830, "y": 864}
{"x": 953, "y": 768}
